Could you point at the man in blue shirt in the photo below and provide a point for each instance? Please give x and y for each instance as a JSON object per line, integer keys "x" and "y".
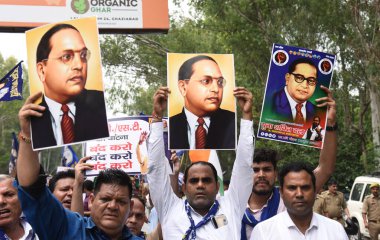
{"x": 111, "y": 201}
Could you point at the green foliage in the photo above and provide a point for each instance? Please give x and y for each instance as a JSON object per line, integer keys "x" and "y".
{"x": 50, "y": 158}
{"x": 248, "y": 29}
{"x": 136, "y": 66}
{"x": 8, "y": 114}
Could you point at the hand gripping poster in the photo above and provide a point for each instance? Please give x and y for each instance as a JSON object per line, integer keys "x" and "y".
{"x": 64, "y": 63}
{"x": 290, "y": 112}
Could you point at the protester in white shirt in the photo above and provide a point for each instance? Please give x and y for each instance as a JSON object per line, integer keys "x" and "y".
{"x": 297, "y": 188}
{"x": 201, "y": 216}
{"x": 265, "y": 201}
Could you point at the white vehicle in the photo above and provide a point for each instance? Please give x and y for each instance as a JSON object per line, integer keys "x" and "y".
{"x": 360, "y": 189}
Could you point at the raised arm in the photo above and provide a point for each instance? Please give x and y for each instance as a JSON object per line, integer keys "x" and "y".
{"x": 241, "y": 178}
{"x": 327, "y": 157}
{"x": 28, "y": 166}
{"x": 31, "y": 188}
{"x": 158, "y": 176}
{"x": 77, "y": 198}
{"x": 174, "y": 177}
{"x": 244, "y": 99}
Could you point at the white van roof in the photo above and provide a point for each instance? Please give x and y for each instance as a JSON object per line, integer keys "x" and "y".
{"x": 368, "y": 179}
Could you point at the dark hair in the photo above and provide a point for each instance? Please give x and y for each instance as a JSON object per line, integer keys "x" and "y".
{"x": 226, "y": 182}
{"x": 332, "y": 181}
{"x": 113, "y": 176}
{"x": 293, "y": 65}
{"x": 266, "y": 155}
{"x": 186, "y": 69}
{"x": 44, "y": 46}
{"x": 316, "y": 116}
{"x": 296, "y": 167}
{"x": 88, "y": 185}
{"x": 141, "y": 199}
{"x": 204, "y": 164}
{"x": 60, "y": 175}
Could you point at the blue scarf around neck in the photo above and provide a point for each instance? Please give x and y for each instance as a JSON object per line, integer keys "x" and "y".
{"x": 269, "y": 211}
{"x": 191, "y": 232}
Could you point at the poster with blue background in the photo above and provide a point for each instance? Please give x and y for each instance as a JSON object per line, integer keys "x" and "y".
{"x": 290, "y": 113}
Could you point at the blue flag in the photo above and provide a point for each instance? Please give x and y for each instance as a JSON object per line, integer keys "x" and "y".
{"x": 14, "y": 153}
{"x": 69, "y": 158}
{"x": 11, "y": 84}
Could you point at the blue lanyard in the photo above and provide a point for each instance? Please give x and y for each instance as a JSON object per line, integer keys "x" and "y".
{"x": 191, "y": 232}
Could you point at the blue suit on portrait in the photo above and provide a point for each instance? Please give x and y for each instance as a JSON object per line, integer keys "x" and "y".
{"x": 281, "y": 107}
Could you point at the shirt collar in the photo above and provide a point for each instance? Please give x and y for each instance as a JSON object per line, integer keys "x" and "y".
{"x": 28, "y": 231}
{"x": 266, "y": 204}
{"x": 290, "y": 224}
{"x": 291, "y": 100}
{"x": 372, "y": 196}
{"x": 89, "y": 224}
{"x": 330, "y": 193}
{"x": 197, "y": 214}
{"x": 313, "y": 129}
{"x": 55, "y": 108}
{"x": 192, "y": 119}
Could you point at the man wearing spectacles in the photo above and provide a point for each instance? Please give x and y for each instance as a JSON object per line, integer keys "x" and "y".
{"x": 202, "y": 124}
{"x": 72, "y": 113}
{"x": 291, "y": 103}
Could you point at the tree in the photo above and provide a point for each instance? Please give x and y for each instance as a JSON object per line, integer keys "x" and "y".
{"x": 8, "y": 117}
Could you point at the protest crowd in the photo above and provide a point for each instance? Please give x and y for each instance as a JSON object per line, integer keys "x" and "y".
{"x": 170, "y": 205}
{"x": 262, "y": 201}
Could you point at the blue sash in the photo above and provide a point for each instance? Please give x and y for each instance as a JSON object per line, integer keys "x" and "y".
{"x": 269, "y": 211}
{"x": 2, "y": 235}
{"x": 191, "y": 233}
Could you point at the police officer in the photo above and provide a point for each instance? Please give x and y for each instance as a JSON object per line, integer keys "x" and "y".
{"x": 371, "y": 211}
{"x": 334, "y": 203}
{"x": 318, "y": 204}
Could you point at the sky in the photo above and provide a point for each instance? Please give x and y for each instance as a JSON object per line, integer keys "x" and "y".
{"x": 13, "y": 44}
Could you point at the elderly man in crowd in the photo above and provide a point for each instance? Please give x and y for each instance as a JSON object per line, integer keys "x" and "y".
{"x": 12, "y": 225}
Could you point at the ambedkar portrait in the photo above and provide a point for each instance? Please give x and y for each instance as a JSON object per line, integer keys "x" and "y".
{"x": 202, "y": 113}
{"x": 64, "y": 63}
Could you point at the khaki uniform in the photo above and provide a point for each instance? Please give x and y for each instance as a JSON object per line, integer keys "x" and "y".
{"x": 318, "y": 204}
{"x": 333, "y": 205}
{"x": 371, "y": 207}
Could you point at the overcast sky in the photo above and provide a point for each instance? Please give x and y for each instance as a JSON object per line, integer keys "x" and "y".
{"x": 13, "y": 44}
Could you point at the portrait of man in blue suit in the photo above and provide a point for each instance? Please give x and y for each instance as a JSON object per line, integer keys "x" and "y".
{"x": 291, "y": 103}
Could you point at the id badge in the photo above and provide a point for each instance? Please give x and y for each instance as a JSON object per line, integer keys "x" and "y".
{"x": 219, "y": 221}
